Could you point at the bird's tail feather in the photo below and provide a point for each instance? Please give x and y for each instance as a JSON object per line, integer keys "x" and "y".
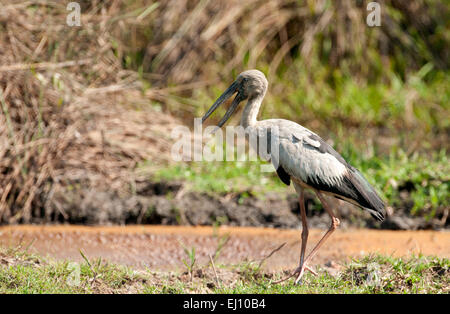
{"x": 371, "y": 201}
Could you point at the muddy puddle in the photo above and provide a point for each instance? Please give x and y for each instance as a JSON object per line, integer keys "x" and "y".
{"x": 161, "y": 247}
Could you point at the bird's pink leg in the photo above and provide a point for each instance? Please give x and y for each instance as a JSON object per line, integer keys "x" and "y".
{"x": 305, "y": 232}
{"x": 334, "y": 224}
{"x": 302, "y": 267}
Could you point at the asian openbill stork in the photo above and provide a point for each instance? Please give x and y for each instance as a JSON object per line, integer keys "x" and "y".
{"x": 303, "y": 157}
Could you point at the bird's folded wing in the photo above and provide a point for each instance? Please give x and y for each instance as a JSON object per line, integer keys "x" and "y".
{"x": 308, "y": 158}
{"x": 305, "y": 157}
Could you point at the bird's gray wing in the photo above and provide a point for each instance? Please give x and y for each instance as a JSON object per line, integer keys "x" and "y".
{"x": 299, "y": 153}
{"x": 304, "y": 156}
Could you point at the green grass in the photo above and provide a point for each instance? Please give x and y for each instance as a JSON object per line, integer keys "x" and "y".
{"x": 424, "y": 179}
{"x": 220, "y": 177}
{"x": 25, "y": 273}
{"x": 22, "y": 272}
{"x": 371, "y": 274}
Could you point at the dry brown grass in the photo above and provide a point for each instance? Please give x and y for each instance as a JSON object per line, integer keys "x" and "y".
{"x": 191, "y": 39}
{"x": 63, "y": 119}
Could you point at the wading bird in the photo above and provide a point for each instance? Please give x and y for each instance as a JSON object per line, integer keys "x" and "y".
{"x": 301, "y": 157}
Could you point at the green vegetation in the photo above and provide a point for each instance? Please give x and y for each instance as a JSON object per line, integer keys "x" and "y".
{"x": 371, "y": 274}
{"x": 21, "y": 272}
{"x": 423, "y": 180}
{"x": 220, "y": 177}
{"x": 25, "y": 273}
{"x": 190, "y": 262}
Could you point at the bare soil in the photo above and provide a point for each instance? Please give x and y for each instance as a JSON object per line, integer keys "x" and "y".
{"x": 161, "y": 247}
{"x": 171, "y": 203}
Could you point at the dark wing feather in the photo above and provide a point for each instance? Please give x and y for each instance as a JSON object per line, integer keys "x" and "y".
{"x": 366, "y": 194}
{"x": 353, "y": 186}
{"x": 283, "y": 175}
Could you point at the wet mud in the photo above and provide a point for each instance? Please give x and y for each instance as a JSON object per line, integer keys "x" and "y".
{"x": 170, "y": 204}
{"x": 162, "y": 247}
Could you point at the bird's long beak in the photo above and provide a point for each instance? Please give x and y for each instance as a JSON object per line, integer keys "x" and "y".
{"x": 227, "y": 94}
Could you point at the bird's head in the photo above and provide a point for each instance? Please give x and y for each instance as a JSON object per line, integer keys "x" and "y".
{"x": 248, "y": 84}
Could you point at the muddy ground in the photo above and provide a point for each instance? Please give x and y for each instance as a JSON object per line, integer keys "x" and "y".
{"x": 162, "y": 247}
{"x": 170, "y": 203}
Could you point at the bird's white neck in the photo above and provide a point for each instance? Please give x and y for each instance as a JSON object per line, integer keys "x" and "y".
{"x": 251, "y": 110}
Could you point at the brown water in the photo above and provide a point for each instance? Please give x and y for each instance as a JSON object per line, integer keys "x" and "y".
{"x": 160, "y": 247}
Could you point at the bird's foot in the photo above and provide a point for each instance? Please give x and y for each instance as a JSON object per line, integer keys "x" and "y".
{"x": 300, "y": 271}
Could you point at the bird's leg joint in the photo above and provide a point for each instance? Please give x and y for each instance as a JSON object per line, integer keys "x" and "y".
{"x": 305, "y": 233}
{"x": 335, "y": 222}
